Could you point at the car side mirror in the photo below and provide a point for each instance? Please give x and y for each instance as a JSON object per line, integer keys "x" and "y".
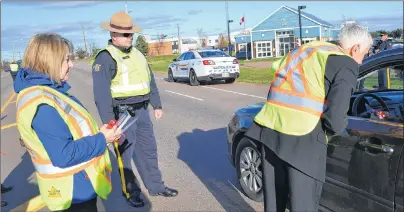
{"x": 175, "y": 59}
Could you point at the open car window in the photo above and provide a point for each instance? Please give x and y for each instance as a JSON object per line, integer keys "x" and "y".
{"x": 384, "y": 78}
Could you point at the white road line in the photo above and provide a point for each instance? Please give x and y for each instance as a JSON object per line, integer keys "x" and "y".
{"x": 244, "y": 94}
{"x": 184, "y": 95}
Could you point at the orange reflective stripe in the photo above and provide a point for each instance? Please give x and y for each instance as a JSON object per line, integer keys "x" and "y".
{"x": 300, "y": 108}
{"x": 72, "y": 119}
{"x": 71, "y": 172}
{"x": 314, "y": 98}
{"x": 289, "y": 58}
{"x": 36, "y": 158}
{"x": 303, "y": 78}
{"x": 26, "y": 104}
{"x": 310, "y": 53}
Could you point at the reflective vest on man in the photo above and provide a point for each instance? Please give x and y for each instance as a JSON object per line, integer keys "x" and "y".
{"x": 296, "y": 98}
{"x": 55, "y": 183}
{"x": 132, "y": 73}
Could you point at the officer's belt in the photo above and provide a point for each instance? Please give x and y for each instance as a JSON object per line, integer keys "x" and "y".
{"x": 131, "y": 108}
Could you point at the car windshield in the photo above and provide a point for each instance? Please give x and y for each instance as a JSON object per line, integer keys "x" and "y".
{"x": 206, "y": 54}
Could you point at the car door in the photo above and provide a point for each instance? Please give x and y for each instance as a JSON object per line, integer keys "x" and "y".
{"x": 184, "y": 65}
{"x": 362, "y": 163}
{"x": 399, "y": 195}
{"x": 177, "y": 71}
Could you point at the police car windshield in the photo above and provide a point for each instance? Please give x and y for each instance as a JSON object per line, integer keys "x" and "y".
{"x": 206, "y": 54}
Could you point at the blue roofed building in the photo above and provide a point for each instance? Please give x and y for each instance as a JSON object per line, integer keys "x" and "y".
{"x": 279, "y": 33}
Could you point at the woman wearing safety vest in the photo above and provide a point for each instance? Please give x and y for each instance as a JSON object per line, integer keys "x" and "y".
{"x": 68, "y": 150}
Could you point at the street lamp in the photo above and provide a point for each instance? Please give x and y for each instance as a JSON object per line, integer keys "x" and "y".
{"x": 228, "y": 32}
{"x": 300, "y": 22}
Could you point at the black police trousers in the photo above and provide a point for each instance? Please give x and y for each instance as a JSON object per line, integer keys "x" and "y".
{"x": 139, "y": 139}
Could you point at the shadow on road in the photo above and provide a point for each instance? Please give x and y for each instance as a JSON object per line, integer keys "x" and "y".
{"x": 116, "y": 202}
{"x": 23, "y": 180}
{"x": 205, "y": 152}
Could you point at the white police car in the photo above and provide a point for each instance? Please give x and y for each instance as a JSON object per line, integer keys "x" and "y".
{"x": 204, "y": 66}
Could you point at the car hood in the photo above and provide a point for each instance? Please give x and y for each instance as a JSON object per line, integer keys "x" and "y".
{"x": 245, "y": 116}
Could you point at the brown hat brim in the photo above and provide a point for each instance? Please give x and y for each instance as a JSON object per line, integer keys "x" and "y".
{"x": 106, "y": 26}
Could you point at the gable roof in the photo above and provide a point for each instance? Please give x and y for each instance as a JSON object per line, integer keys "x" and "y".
{"x": 309, "y": 16}
{"x": 304, "y": 14}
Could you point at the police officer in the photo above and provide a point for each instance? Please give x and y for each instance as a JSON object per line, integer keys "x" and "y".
{"x": 13, "y": 69}
{"x": 300, "y": 110}
{"x": 382, "y": 45}
{"x": 123, "y": 81}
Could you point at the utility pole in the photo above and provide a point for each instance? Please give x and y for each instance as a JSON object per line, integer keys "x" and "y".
{"x": 126, "y": 7}
{"x": 179, "y": 39}
{"x": 85, "y": 43}
{"x": 13, "y": 50}
{"x": 300, "y": 22}
{"x": 228, "y": 26}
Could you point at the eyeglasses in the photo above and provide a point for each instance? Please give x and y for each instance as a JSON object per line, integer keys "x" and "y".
{"x": 127, "y": 34}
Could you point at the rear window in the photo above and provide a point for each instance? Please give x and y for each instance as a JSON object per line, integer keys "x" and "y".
{"x": 206, "y": 54}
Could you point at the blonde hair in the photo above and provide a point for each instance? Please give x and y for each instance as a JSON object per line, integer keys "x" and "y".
{"x": 46, "y": 53}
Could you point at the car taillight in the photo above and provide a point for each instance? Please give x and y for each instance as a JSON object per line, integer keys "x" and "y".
{"x": 208, "y": 62}
{"x": 235, "y": 61}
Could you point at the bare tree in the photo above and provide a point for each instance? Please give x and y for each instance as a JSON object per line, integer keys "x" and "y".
{"x": 160, "y": 44}
{"x": 223, "y": 41}
{"x": 202, "y": 37}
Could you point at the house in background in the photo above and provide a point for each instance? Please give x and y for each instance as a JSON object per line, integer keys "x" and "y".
{"x": 279, "y": 33}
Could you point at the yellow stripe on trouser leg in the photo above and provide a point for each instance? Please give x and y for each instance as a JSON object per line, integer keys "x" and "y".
{"x": 120, "y": 165}
{"x": 34, "y": 204}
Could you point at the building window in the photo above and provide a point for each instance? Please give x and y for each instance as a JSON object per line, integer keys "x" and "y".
{"x": 264, "y": 49}
{"x": 241, "y": 47}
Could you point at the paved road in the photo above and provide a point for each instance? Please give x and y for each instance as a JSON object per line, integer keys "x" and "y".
{"x": 191, "y": 143}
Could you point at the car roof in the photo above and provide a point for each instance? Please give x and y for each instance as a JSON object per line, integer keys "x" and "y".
{"x": 384, "y": 54}
{"x": 387, "y": 56}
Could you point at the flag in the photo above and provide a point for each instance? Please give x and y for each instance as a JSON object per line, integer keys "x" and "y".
{"x": 242, "y": 20}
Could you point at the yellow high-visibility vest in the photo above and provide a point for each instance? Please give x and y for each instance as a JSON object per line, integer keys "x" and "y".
{"x": 14, "y": 67}
{"x": 55, "y": 183}
{"x": 133, "y": 73}
{"x": 296, "y": 98}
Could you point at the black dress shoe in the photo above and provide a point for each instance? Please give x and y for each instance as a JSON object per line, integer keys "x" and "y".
{"x": 168, "y": 192}
{"x": 135, "y": 201}
{"x": 5, "y": 189}
{"x": 3, "y": 203}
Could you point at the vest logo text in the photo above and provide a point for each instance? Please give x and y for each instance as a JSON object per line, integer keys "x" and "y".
{"x": 54, "y": 193}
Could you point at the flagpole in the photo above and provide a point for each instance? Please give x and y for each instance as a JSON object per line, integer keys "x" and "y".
{"x": 246, "y": 45}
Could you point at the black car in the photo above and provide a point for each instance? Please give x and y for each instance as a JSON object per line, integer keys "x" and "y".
{"x": 365, "y": 163}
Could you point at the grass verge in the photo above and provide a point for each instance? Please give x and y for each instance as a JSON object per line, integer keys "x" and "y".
{"x": 247, "y": 74}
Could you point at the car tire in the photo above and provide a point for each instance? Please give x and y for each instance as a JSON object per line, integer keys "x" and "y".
{"x": 171, "y": 76}
{"x": 231, "y": 80}
{"x": 245, "y": 146}
{"x": 193, "y": 79}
